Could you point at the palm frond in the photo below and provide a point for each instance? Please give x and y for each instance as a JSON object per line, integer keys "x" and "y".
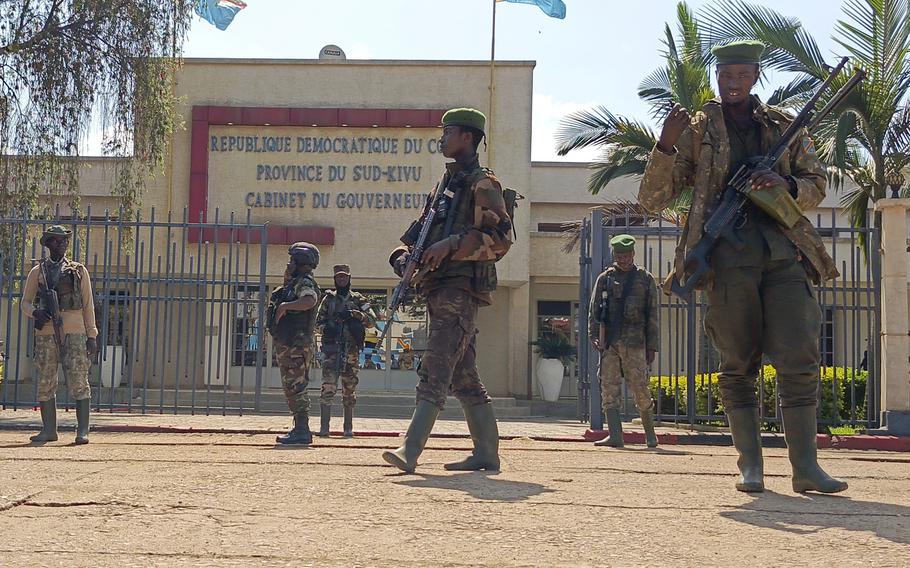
{"x": 599, "y": 127}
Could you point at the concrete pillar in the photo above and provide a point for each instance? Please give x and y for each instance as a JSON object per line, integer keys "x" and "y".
{"x": 895, "y": 380}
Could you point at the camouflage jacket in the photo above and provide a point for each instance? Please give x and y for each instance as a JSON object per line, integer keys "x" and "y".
{"x": 702, "y": 161}
{"x": 481, "y": 231}
{"x": 332, "y": 304}
{"x": 639, "y": 327}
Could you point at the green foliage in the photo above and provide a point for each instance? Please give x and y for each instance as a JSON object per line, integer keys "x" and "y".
{"x": 839, "y": 387}
{"x": 554, "y": 345}
{"x": 69, "y": 66}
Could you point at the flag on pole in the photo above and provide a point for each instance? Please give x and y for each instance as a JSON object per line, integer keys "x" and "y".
{"x": 219, "y": 13}
{"x": 552, "y": 8}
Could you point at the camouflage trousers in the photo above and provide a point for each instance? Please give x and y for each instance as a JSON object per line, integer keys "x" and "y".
{"x": 294, "y": 361}
{"x": 349, "y": 367}
{"x": 620, "y": 361}
{"x": 450, "y": 361}
{"x": 75, "y": 361}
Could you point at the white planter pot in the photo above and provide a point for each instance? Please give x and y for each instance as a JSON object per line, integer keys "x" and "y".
{"x": 549, "y": 378}
{"x": 110, "y": 376}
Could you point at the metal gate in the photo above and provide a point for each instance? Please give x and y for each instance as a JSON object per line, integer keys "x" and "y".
{"x": 683, "y": 376}
{"x": 178, "y": 304}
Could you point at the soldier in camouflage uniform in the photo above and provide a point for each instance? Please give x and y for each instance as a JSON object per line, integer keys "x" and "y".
{"x": 622, "y": 325}
{"x": 342, "y": 320}
{"x": 761, "y": 297}
{"x": 71, "y": 281}
{"x": 457, "y": 277}
{"x": 292, "y": 322}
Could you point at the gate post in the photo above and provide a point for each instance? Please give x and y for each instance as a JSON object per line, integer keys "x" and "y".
{"x": 895, "y": 359}
{"x": 597, "y": 265}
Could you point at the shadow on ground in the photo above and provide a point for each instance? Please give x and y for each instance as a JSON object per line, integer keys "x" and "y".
{"x": 480, "y": 485}
{"x": 812, "y": 513}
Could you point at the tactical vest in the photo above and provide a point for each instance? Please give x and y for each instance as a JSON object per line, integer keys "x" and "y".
{"x": 481, "y": 273}
{"x": 69, "y": 286}
{"x": 293, "y": 322}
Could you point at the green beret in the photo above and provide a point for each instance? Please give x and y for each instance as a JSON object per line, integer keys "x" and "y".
{"x": 745, "y": 52}
{"x": 470, "y": 117}
{"x": 55, "y": 231}
{"x": 623, "y": 243}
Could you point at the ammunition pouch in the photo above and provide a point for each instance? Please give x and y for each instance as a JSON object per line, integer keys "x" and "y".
{"x": 484, "y": 278}
{"x": 357, "y": 331}
{"x": 778, "y": 203}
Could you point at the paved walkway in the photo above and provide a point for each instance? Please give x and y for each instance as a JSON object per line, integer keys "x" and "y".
{"x": 191, "y": 500}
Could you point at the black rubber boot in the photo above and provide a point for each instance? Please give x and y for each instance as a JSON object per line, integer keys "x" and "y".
{"x": 614, "y": 424}
{"x": 48, "y": 431}
{"x": 299, "y": 434}
{"x": 82, "y": 411}
{"x": 405, "y": 457}
{"x": 800, "y": 425}
{"x": 348, "y": 422}
{"x": 744, "y": 427}
{"x": 485, "y": 435}
{"x": 647, "y": 422}
{"x": 325, "y": 416}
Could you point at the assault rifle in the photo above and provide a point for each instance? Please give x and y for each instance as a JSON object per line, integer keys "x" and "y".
{"x": 734, "y": 199}
{"x": 418, "y": 247}
{"x": 51, "y": 304}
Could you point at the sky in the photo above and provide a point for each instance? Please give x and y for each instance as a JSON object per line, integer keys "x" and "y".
{"x": 597, "y": 55}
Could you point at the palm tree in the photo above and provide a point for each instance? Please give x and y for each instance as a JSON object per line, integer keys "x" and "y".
{"x": 868, "y": 137}
{"x": 628, "y": 142}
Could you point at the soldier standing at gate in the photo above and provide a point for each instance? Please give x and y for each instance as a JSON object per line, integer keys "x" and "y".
{"x": 761, "y": 295}
{"x": 344, "y": 316}
{"x": 65, "y": 331}
{"x": 470, "y": 232}
{"x": 622, "y": 325}
{"x": 291, "y": 320}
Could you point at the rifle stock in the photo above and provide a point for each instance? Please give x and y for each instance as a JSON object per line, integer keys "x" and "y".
{"x": 721, "y": 223}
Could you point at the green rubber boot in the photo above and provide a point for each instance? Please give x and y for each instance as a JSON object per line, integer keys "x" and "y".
{"x": 485, "y": 435}
{"x": 614, "y": 424}
{"x": 82, "y": 411}
{"x": 300, "y": 434}
{"x": 744, "y": 427}
{"x": 647, "y": 422}
{"x": 800, "y": 427}
{"x": 48, "y": 431}
{"x": 325, "y": 416}
{"x": 405, "y": 457}
{"x": 348, "y": 422}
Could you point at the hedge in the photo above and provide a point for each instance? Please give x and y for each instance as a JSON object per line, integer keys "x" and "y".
{"x": 836, "y": 385}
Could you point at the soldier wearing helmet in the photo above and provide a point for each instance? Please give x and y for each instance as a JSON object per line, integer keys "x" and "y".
{"x": 291, "y": 321}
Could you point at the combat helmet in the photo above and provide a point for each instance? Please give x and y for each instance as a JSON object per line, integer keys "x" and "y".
{"x": 304, "y": 253}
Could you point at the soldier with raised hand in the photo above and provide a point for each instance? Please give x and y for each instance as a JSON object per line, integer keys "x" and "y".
{"x": 292, "y": 323}
{"x": 78, "y": 332}
{"x": 344, "y": 316}
{"x": 470, "y": 232}
{"x": 623, "y": 326}
{"x": 760, "y": 292}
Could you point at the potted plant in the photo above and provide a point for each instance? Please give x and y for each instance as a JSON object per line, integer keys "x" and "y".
{"x": 556, "y": 351}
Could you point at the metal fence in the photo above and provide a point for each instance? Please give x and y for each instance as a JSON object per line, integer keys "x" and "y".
{"x": 175, "y": 302}
{"x": 683, "y": 376}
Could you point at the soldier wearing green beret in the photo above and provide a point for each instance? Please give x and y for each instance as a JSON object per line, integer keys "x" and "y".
{"x": 761, "y": 296}
{"x": 622, "y": 322}
{"x": 471, "y": 231}
{"x": 78, "y": 332}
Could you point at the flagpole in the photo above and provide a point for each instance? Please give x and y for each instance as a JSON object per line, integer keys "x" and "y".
{"x": 492, "y": 88}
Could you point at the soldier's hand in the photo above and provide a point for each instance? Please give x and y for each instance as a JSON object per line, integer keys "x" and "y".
{"x": 41, "y": 318}
{"x": 434, "y": 255}
{"x": 91, "y": 347}
{"x": 764, "y": 179}
{"x": 651, "y": 355}
{"x": 674, "y": 125}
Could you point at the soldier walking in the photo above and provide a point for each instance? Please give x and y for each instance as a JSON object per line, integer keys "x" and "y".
{"x": 292, "y": 322}
{"x": 344, "y": 316}
{"x": 622, "y": 324}
{"x": 67, "y": 337}
{"x": 470, "y": 232}
{"x": 761, "y": 295}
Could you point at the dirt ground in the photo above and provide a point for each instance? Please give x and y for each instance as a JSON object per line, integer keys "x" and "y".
{"x": 237, "y": 500}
